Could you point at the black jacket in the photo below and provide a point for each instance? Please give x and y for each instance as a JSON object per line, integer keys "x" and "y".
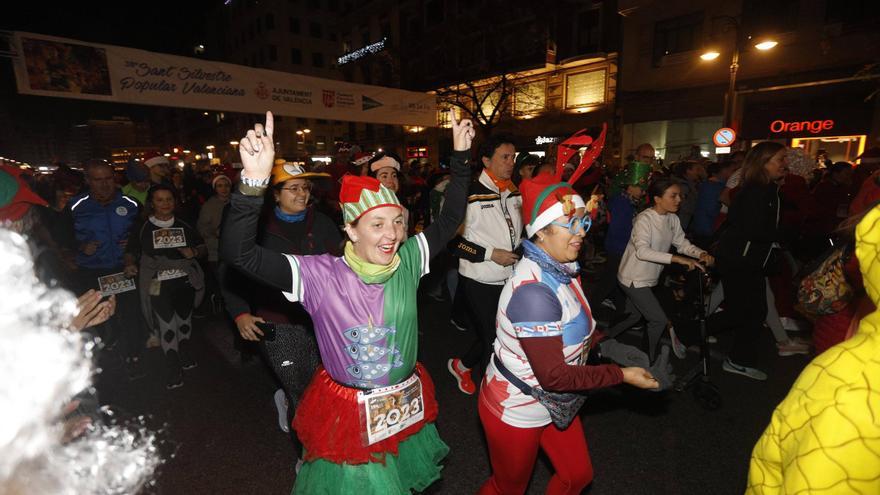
{"x": 752, "y": 227}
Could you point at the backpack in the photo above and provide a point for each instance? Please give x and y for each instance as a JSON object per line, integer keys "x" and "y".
{"x": 824, "y": 290}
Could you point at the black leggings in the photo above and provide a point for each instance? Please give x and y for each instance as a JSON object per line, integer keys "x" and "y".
{"x": 481, "y": 305}
{"x": 172, "y": 312}
{"x": 294, "y": 357}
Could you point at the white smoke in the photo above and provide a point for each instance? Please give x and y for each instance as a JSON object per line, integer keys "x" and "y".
{"x": 42, "y": 365}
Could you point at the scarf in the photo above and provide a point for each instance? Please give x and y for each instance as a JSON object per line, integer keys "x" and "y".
{"x": 369, "y": 273}
{"x": 290, "y": 217}
{"x": 562, "y": 273}
{"x": 502, "y": 185}
{"x": 163, "y": 224}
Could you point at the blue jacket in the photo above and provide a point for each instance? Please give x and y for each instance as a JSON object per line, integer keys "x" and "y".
{"x": 620, "y": 229}
{"x": 708, "y": 207}
{"x": 108, "y": 224}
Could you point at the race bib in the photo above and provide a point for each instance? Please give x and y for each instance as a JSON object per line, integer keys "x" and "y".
{"x": 116, "y": 283}
{"x": 386, "y": 411}
{"x": 169, "y": 238}
{"x": 170, "y": 274}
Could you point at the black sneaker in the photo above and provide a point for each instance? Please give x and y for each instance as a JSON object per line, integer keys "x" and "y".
{"x": 186, "y": 360}
{"x": 175, "y": 373}
{"x": 134, "y": 369}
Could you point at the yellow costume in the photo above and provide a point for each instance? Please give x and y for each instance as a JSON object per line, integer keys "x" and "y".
{"x": 824, "y": 438}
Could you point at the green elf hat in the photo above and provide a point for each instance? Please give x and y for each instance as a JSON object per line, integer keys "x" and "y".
{"x": 636, "y": 174}
{"x": 360, "y": 194}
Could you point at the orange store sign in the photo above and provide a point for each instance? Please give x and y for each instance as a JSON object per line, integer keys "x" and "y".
{"x": 780, "y": 126}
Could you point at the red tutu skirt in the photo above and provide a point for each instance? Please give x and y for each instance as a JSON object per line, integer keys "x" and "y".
{"x": 328, "y": 422}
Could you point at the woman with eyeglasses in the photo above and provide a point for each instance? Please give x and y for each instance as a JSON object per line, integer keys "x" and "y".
{"x": 544, "y": 330}
{"x": 655, "y": 230}
{"x": 291, "y": 226}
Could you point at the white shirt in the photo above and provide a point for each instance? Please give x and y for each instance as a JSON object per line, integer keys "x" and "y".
{"x": 648, "y": 248}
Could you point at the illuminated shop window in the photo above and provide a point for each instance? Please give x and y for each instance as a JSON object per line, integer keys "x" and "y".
{"x": 530, "y": 98}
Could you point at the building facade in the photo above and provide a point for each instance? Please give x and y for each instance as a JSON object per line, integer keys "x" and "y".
{"x": 672, "y": 98}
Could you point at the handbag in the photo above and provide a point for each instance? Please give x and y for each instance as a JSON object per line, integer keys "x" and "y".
{"x": 825, "y": 289}
{"x": 562, "y": 406}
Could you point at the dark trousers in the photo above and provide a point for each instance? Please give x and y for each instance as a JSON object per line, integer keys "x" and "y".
{"x": 481, "y": 305}
{"x": 126, "y": 326}
{"x": 745, "y": 299}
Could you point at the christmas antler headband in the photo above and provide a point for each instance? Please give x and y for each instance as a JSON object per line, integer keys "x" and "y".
{"x": 570, "y": 146}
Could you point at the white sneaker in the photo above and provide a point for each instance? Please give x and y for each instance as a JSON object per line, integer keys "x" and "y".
{"x": 678, "y": 348}
{"x": 753, "y": 373}
{"x": 281, "y": 407}
{"x": 791, "y": 347}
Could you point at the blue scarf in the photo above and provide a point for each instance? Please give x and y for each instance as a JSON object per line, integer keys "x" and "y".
{"x": 290, "y": 218}
{"x": 557, "y": 270}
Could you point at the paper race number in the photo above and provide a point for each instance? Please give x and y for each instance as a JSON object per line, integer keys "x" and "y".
{"x": 169, "y": 238}
{"x": 386, "y": 411}
{"x": 170, "y": 274}
{"x": 115, "y": 283}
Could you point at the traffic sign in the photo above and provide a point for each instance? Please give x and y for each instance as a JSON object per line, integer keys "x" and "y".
{"x": 724, "y": 137}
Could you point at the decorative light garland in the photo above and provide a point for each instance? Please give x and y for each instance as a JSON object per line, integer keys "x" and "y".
{"x": 362, "y": 52}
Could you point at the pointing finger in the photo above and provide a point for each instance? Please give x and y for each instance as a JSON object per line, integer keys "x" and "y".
{"x": 452, "y": 117}
{"x": 270, "y": 125}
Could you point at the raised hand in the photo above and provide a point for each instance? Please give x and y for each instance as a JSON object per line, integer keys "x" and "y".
{"x": 463, "y": 132}
{"x": 257, "y": 150}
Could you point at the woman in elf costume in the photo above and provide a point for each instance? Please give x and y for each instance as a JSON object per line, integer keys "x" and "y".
{"x": 366, "y": 421}
{"x": 545, "y": 327}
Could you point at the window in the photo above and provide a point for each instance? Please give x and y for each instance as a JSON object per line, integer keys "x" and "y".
{"x": 273, "y": 53}
{"x": 315, "y": 30}
{"x": 294, "y": 25}
{"x": 262, "y": 59}
{"x": 443, "y": 117}
{"x": 270, "y": 22}
{"x": 296, "y": 57}
{"x": 586, "y": 88}
{"x": 677, "y": 35}
{"x": 318, "y": 59}
{"x": 490, "y": 102}
{"x": 529, "y": 98}
{"x": 321, "y": 143}
{"x": 589, "y": 31}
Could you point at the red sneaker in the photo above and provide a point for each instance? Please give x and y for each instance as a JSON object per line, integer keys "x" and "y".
{"x": 462, "y": 376}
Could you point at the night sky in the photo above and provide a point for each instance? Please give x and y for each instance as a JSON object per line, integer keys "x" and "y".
{"x": 156, "y": 25}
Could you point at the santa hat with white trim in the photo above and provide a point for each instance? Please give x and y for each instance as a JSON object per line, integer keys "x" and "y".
{"x": 546, "y": 197}
{"x": 152, "y": 158}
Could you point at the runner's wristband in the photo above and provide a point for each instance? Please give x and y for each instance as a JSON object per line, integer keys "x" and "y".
{"x": 253, "y": 187}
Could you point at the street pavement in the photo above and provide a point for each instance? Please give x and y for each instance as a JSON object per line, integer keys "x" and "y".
{"x": 219, "y": 432}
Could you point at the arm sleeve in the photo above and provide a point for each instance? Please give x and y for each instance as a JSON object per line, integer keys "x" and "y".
{"x": 547, "y": 361}
{"x": 204, "y": 221}
{"x": 236, "y": 305}
{"x": 535, "y": 312}
{"x": 468, "y": 250}
{"x": 239, "y": 248}
{"x": 641, "y": 239}
{"x": 682, "y": 245}
{"x": 455, "y": 202}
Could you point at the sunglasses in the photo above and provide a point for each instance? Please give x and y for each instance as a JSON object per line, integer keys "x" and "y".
{"x": 576, "y": 224}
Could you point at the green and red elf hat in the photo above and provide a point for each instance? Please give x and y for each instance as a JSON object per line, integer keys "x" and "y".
{"x": 360, "y": 194}
{"x": 546, "y": 197}
{"x": 15, "y": 195}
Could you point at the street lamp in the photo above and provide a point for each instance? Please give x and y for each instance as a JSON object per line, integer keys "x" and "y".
{"x": 763, "y": 44}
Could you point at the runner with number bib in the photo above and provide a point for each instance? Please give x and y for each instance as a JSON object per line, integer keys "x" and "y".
{"x": 366, "y": 421}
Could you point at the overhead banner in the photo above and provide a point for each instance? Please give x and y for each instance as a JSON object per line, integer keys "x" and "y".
{"x": 65, "y": 68}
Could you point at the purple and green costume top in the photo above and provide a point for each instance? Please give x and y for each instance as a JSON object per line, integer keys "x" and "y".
{"x": 367, "y": 333}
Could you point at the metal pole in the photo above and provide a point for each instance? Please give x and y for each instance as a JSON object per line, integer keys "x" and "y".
{"x": 730, "y": 101}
